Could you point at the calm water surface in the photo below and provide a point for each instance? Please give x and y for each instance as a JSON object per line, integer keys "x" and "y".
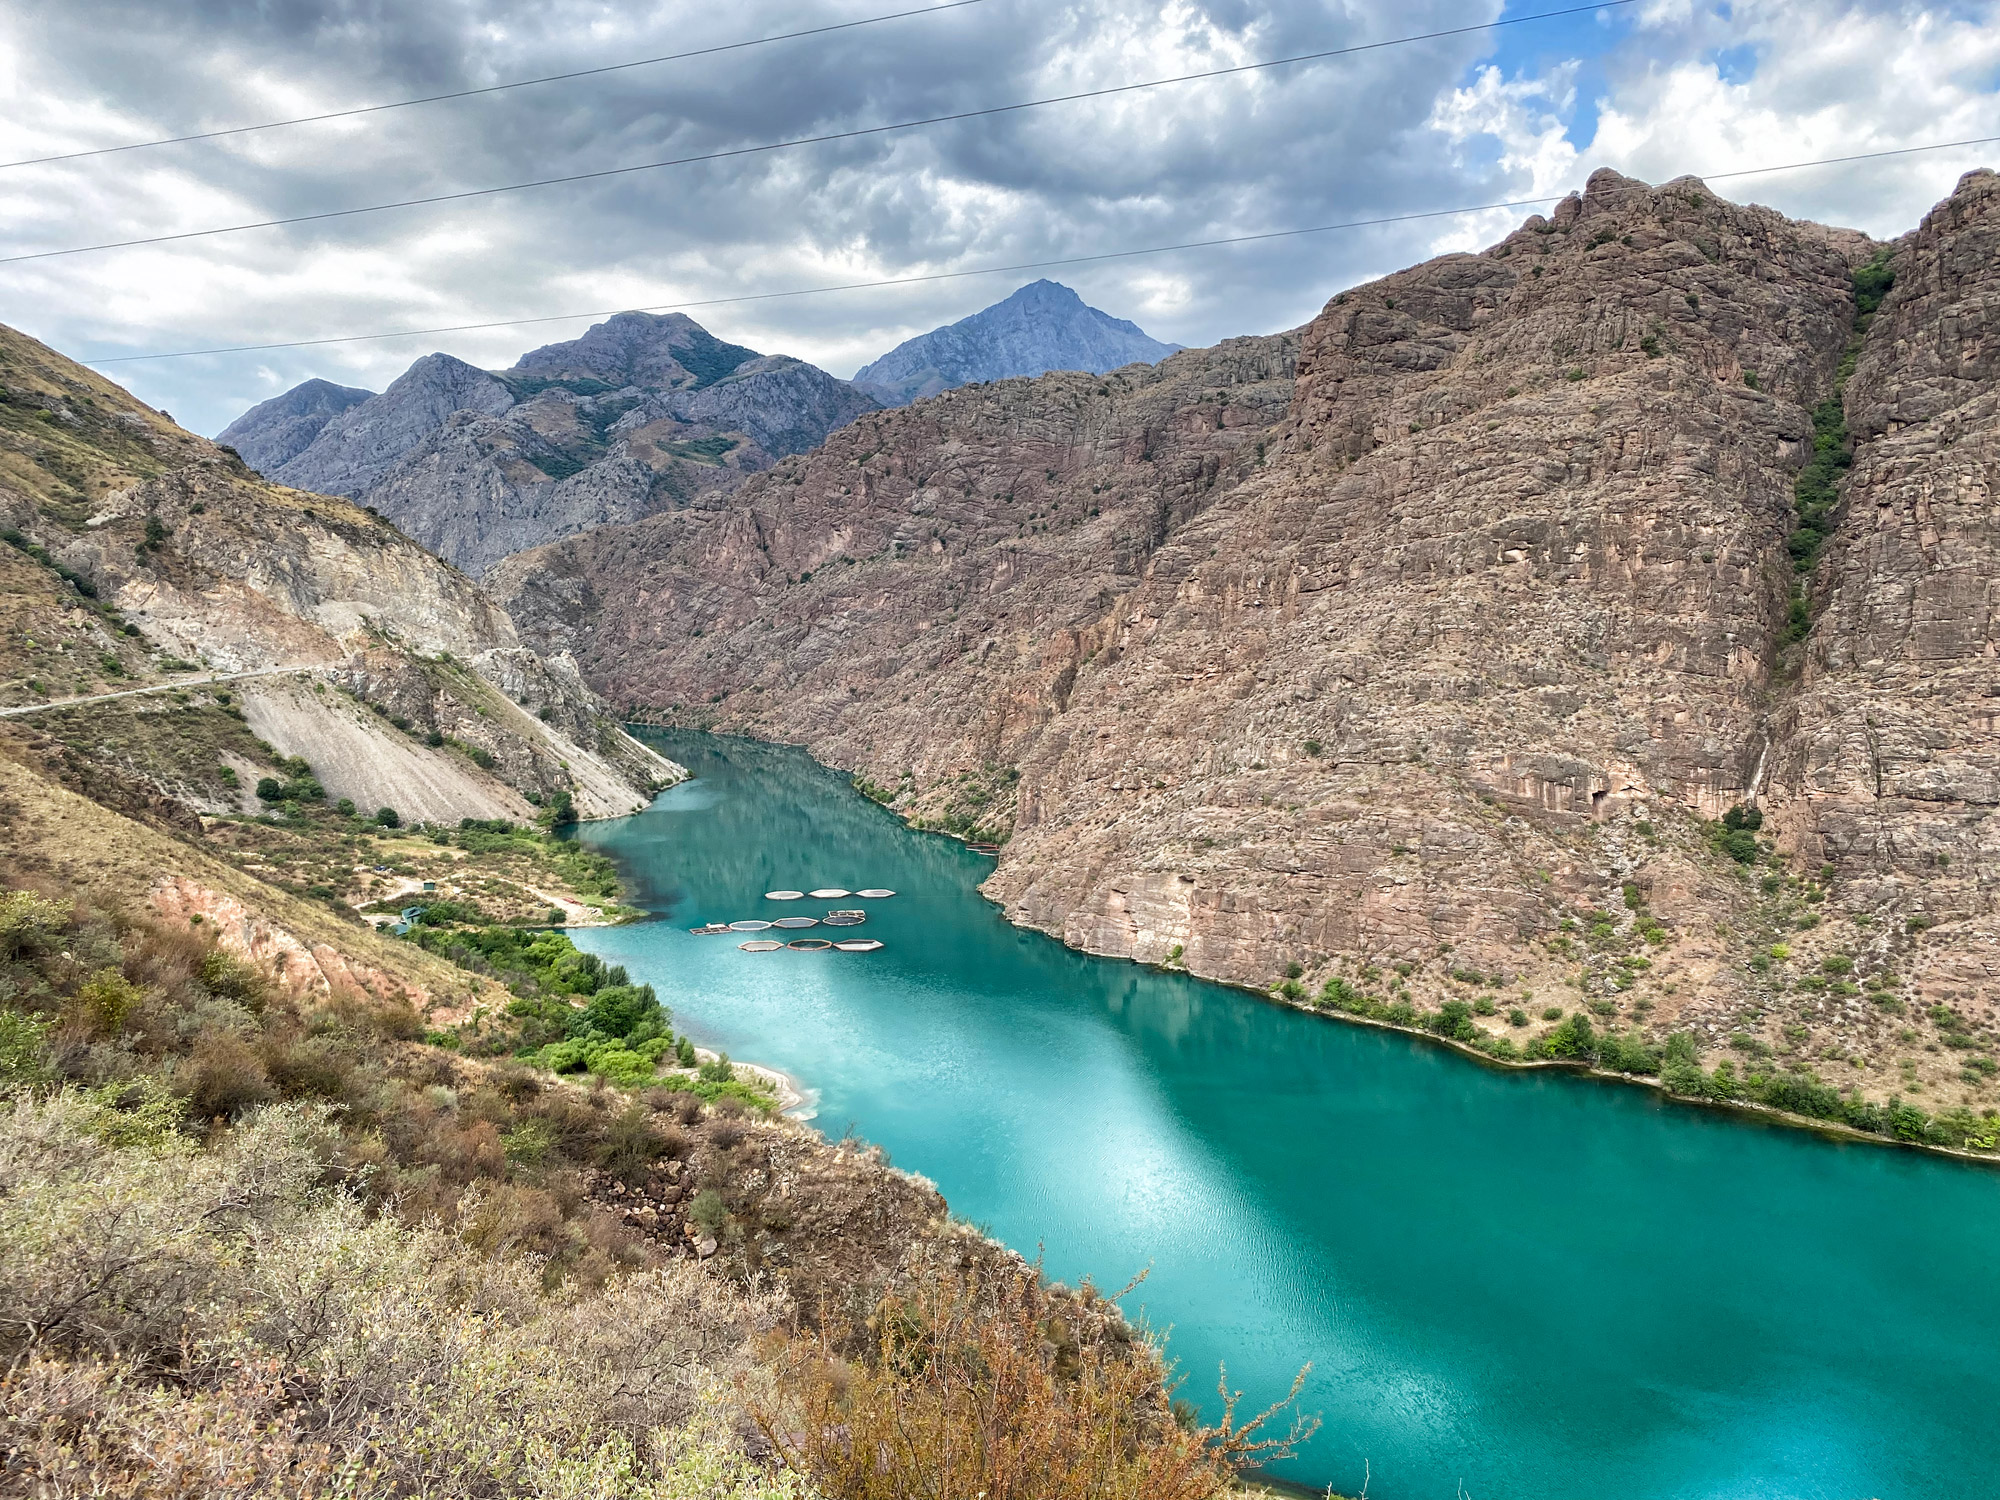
{"x": 1533, "y": 1285}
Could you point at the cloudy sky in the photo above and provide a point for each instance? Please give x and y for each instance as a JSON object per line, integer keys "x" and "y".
{"x": 1655, "y": 88}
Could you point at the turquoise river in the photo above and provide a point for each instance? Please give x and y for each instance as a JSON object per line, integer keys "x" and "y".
{"x": 1514, "y": 1284}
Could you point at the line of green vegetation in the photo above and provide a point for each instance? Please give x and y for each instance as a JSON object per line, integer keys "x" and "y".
{"x": 1676, "y": 1063}
{"x": 42, "y": 555}
{"x": 1816, "y": 492}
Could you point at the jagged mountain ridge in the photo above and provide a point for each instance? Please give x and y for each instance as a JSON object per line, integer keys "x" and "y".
{"x": 640, "y": 413}
{"x": 1445, "y": 658}
{"x": 1042, "y": 327}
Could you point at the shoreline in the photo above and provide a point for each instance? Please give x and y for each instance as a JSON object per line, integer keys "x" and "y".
{"x": 796, "y": 1101}
{"x": 1761, "y": 1113}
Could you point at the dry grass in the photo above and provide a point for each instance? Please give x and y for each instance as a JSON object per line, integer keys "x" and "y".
{"x": 1008, "y": 1391}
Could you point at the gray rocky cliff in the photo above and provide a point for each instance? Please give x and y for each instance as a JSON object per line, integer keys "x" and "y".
{"x": 356, "y": 448}
{"x": 1044, "y": 326}
{"x": 273, "y": 433}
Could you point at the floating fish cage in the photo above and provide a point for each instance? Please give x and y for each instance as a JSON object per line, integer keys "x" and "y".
{"x": 760, "y": 945}
{"x": 876, "y": 894}
{"x": 858, "y": 945}
{"x": 809, "y": 945}
{"x": 830, "y": 893}
{"x": 710, "y": 930}
{"x": 845, "y": 919}
{"x": 784, "y": 895}
{"x": 750, "y": 926}
{"x": 796, "y": 922}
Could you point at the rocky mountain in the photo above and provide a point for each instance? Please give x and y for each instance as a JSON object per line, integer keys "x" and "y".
{"x": 277, "y": 431}
{"x": 641, "y": 413}
{"x": 1601, "y": 620}
{"x": 142, "y": 556}
{"x": 1044, "y": 326}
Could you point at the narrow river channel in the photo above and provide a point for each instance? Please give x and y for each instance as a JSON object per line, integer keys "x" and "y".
{"x": 1530, "y": 1285}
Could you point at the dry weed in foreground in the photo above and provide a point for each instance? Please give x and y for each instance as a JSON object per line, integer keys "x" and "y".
{"x": 977, "y": 1393}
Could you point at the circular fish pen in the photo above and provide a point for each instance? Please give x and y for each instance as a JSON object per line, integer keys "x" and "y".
{"x": 875, "y": 894}
{"x": 796, "y": 922}
{"x": 829, "y": 893}
{"x": 784, "y": 895}
{"x": 809, "y": 945}
{"x": 858, "y": 945}
{"x": 760, "y": 945}
{"x": 845, "y": 919}
{"x": 750, "y": 926}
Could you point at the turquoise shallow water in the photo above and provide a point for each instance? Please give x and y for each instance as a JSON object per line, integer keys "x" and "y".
{"x": 1532, "y": 1285}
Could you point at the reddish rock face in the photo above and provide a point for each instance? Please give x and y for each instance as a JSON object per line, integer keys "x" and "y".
{"x": 1415, "y": 636}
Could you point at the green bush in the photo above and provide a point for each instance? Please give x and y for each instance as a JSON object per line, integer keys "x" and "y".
{"x": 708, "y": 1211}
{"x": 1517, "y": 1017}
{"x": 1574, "y": 1038}
{"x": 717, "y": 1069}
{"x": 388, "y": 817}
{"x": 1454, "y": 1021}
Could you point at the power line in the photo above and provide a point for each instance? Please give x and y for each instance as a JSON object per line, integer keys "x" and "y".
{"x": 496, "y": 88}
{"x": 810, "y": 140}
{"x": 1031, "y": 265}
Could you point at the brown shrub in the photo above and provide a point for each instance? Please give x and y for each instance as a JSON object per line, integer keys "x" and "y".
{"x": 309, "y": 1067}
{"x": 222, "y": 1077}
{"x": 630, "y": 1145}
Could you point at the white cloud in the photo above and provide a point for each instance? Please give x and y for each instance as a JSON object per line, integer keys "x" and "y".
{"x": 1401, "y": 130}
{"x": 1825, "y": 83}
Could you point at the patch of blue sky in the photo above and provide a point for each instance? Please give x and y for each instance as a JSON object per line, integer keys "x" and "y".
{"x": 1735, "y": 64}
{"x": 1539, "y": 47}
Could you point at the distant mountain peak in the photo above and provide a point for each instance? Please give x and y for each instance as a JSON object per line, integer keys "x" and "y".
{"x": 274, "y": 432}
{"x": 662, "y": 351}
{"x": 1042, "y": 326}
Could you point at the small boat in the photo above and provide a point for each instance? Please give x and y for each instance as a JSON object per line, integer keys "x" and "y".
{"x": 858, "y": 945}
{"x": 751, "y": 926}
{"x": 877, "y": 894}
{"x": 784, "y": 895}
{"x": 990, "y": 850}
{"x": 760, "y": 945}
{"x": 796, "y": 922}
{"x": 809, "y": 945}
{"x": 845, "y": 919}
{"x": 829, "y": 893}
{"x": 710, "y": 930}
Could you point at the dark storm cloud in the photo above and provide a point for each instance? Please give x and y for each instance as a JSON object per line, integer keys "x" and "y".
{"x": 1353, "y": 137}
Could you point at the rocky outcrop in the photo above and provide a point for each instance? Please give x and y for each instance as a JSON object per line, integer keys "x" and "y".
{"x": 1044, "y": 326}
{"x": 139, "y": 553}
{"x": 1446, "y": 654}
{"x": 642, "y": 413}
{"x": 273, "y": 433}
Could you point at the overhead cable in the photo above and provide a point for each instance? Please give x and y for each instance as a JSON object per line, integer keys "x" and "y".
{"x": 1029, "y": 265}
{"x": 796, "y": 142}
{"x": 495, "y": 88}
